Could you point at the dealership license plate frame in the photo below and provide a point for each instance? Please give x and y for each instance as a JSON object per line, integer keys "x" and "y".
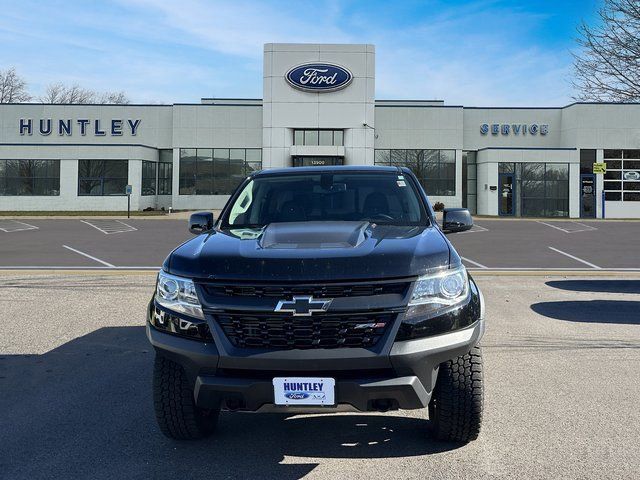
{"x": 323, "y": 397}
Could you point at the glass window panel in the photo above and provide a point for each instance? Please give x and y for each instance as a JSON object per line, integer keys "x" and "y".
{"x": 613, "y": 164}
{"x": 221, "y": 171}
{"x": 215, "y": 171}
{"x": 102, "y": 177}
{"x": 469, "y": 156}
{"x": 382, "y": 157}
{"x": 414, "y": 159}
{"x": 166, "y": 155}
{"x": 556, "y": 207}
{"x": 254, "y": 155}
{"x": 613, "y": 154}
{"x": 237, "y": 154}
{"x": 631, "y": 154}
{"x": 557, "y": 171}
{"x": 632, "y": 164}
{"x": 338, "y": 138}
{"x": 533, "y": 207}
{"x": 148, "y": 186}
{"x": 46, "y": 186}
{"x": 114, "y": 186}
{"x": 311, "y": 137}
{"x": 613, "y": 175}
{"x": 609, "y": 185}
{"x": 325, "y": 137}
{"x": 635, "y": 186}
{"x": 506, "y": 168}
{"x": 90, "y": 187}
{"x": 631, "y": 197}
{"x": 533, "y": 171}
{"x": 398, "y": 157}
{"x": 165, "y": 178}
{"x": 298, "y": 137}
{"x": 533, "y": 188}
{"x": 30, "y": 177}
{"x": 448, "y": 156}
{"x": 613, "y": 196}
{"x": 115, "y": 168}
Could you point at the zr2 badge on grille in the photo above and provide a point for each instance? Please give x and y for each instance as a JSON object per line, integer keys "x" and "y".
{"x": 303, "y": 306}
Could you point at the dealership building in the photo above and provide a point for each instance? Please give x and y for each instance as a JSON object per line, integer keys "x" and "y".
{"x": 319, "y": 108}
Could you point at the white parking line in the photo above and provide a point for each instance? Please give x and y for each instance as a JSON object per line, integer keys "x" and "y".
{"x": 473, "y": 263}
{"x": 107, "y": 264}
{"x": 109, "y": 227}
{"x": 586, "y": 228}
{"x": 10, "y": 226}
{"x": 476, "y": 228}
{"x": 576, "y": 258}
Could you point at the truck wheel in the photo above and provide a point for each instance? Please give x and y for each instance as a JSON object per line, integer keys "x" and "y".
{"x": 456, "y": 405}
{"x": 177, "y": 415}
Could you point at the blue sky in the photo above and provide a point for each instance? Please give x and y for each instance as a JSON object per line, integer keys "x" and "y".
{"x": 476, "y": 53}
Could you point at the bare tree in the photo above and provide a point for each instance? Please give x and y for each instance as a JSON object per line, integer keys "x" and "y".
{"x": 13, "y": 89}
{"x": 608, "y": 66}
{"x": 75, "y": 94}
{"x": 114, "y": 97}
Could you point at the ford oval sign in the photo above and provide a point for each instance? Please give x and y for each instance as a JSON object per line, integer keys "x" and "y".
{"x": 296, "y": 395}
{"x": 319, "y": 77}
{"x": 631, "y": 175}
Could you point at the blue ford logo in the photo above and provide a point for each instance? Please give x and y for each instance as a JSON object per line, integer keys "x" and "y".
{"x": 296, "y": 395}
{"x": 319, "y": 77}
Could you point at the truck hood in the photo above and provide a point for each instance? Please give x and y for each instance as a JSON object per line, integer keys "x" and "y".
{"x": 311, "y": 251}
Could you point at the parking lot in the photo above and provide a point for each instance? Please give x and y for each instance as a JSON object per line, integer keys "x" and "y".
{"x": 561, "y": 368}
{"x": 493, "y": 244}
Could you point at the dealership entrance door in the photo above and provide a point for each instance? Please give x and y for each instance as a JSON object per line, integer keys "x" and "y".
{"x": 587, "y": 196}
{"x": 506, "y": 184}
{"x": 307, "y": 161}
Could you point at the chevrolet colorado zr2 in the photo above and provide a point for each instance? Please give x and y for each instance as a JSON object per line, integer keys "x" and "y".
{"x": 319, "y": 289}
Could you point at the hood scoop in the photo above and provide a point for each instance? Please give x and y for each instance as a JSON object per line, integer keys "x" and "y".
{"x": 317, "y": 235}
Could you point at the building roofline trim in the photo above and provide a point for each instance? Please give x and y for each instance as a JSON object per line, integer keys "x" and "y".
{"x": 526, "y": 148}
{"x": 418, "y": 106}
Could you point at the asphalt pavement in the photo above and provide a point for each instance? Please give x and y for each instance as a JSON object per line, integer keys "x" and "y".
{"x": 562, "y": 357}
{"x": 492, "y": 244}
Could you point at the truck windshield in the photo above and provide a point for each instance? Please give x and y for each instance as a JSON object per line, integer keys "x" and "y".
{"x": 381, "y": 198}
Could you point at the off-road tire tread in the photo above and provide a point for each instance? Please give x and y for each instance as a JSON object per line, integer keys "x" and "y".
{"x": 457, "y": 401}
{"x": 177, "y": 415}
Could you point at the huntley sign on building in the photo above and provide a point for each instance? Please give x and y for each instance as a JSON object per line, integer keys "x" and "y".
{"x": 318, "y": 108}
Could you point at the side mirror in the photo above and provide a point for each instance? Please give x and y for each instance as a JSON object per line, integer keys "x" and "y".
{"x": 200, "y": 222}
{"x": 456, "y": 220}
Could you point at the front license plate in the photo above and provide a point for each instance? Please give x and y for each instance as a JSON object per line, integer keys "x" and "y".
{"x": 304, "y": 391}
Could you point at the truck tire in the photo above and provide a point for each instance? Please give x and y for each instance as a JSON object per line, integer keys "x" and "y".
{"x": 177, "y": 415}
{"x": 456, "y": 405}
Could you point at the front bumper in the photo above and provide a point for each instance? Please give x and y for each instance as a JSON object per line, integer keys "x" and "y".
{"x": 406, "y": 379}
{"x": 393, "y": 374}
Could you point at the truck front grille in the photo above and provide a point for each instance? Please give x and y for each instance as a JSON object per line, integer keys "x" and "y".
{"x": 317, "y": 291}
{"x": 282, "y": 332}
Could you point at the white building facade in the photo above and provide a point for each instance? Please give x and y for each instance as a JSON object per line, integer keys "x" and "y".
{"x": 319, "y": 108}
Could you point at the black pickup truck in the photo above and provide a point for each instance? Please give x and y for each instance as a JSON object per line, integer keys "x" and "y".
{"x": 319, "y": 289}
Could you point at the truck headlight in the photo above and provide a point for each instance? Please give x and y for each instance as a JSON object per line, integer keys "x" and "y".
{"x": 442, "y": 301}
{"x": 178, "y": 294}
{"x": 440, "y": 290}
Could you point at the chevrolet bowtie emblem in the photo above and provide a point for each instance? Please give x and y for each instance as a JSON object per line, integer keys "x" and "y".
{"x": 303, "y": 306}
